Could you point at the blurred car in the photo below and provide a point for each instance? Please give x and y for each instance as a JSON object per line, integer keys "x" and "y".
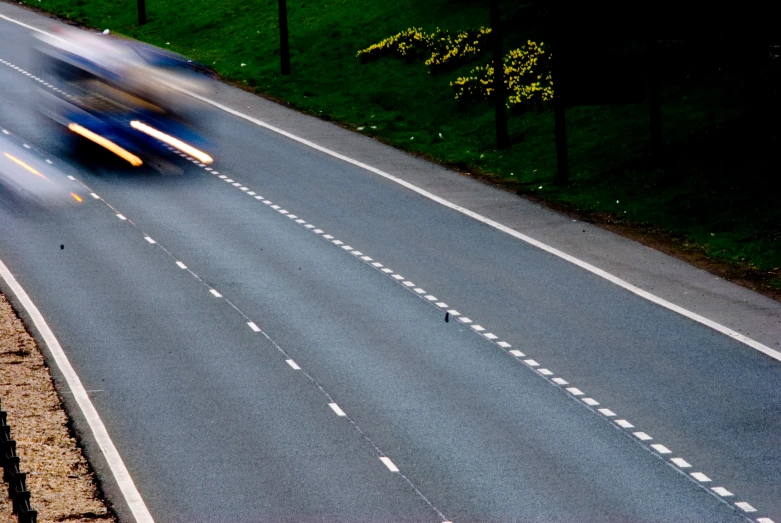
{"x": 130, "y": 98}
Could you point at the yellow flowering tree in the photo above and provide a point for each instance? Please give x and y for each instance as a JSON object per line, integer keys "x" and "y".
{"x": 443, "y": 47}
{"x": 526, "y": 74}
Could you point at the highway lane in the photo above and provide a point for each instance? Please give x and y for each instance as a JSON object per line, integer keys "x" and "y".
{"x": 451, "y": 405}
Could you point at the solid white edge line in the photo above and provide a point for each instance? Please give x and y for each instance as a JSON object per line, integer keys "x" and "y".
{"x": 496, "y": 225}
{"x": 114, "y": 460}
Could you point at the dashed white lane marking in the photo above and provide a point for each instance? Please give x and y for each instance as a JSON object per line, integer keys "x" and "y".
{"x": 517, "y": 354}
{"x": 94, "y": 195}
{"x": 681, "y": 463}
{"x": 253, "y": 326}
{"x": 531, "y": 363}
{"x": 575, "y": 391}
{"x": 121, "y": 216}
{"x": 590, "y": 401}
{"x": 71, "y": 178}
{"x": 661, "y": 449}
{"x": 387, "y": 270}
{"x": 547, "y": 372}
{"x": 181, "y": 265}
{"x": 745, "y": 507}
{"x": 293, "y": 364}
{"x": 624, "y": 424}
{"x": 699, "y": 476}
{"x": 607, "y": 412}
{"x": 126, "y": 485}
{"x": 150, "y": 240}
{"x": 388, "y": 463}
{"x": 642, "y": 436}
{"x": 336, "y": 409}
{"x": 559, "y": 381}
{"x": 478, "y": 328}
{"x": 464, "y": 319}
{"x": 765, "y": 520}
{"x": 26, "y": 146}
{"x": 721, "y": 491}
{"x": 215, "y": 293}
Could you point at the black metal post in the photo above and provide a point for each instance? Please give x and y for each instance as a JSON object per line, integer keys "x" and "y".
{"x": 141, "y": 12}
{"x": 284, "y": 48}
{"x": 500, "y": 96}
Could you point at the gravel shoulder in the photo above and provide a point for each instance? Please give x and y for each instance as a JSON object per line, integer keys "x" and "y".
{"x": 62, "y": 485}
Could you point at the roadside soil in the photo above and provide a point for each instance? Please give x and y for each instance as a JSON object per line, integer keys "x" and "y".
{"x": 59, "y": 479}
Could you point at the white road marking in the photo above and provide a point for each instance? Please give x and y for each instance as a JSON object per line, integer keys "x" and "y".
{"x": 215, "y": 293}
{"x": 150, "y": 240}
{"x": 661, "y": 449}
{"x": 590, "y": 401}
{"x": 337, "y": 242}
{"x": 258, "y": 197}
{"x": 607, "y": 412}
{"x": 318, "y": 231}
{"x": 223, "y": 177}
{"x": 517, "y": 353}
{"x": 478, "y": 328}
{"x": 418, "y": 290}
{"x": 496, "y": 225}
{"x": 765, "y": 520}
{"x": 107, "y": 448}
{"x": 293, "y": 364}
{"x": 431, "y": 297}
{"x": 681, "y": 463}
{"x": 327, "y": 236}
{"x": 336, "y": 409}
{"x": 490, "y": 335}
{"x": 388, "y": 463}
{"x": 245, "y": 188}
{"x": 253, "y": 326}
{"x": 624, "y": 424}
{"x": 300, "y": 221}
{"x": 267, "y": 202}
{"x": 275, "y": 207}
{"x": 531, "y": 363}
{"x": 504, "y": 344}
{"x": 364, "y": 258}
{"x": 25, "y": 146}
{"x": 454, "y": 312}
{"x": 442, "y": 304}
{"x": 721, "y": 491}
{"x": 545, "y": 372}
{"x": 94, "y": 195}
{"x": 464, "y": 319}
{"x": 397, "y": 276}
{"x": 560, "y": 381}
{"x": 745, "y": 507}
{"x": 252, "y": 193}
{"x": 642, "y": 436}
{"x": 229, "y": 180}
{"x": 387, "y": 270}
{"x": 121, "y": 217}
{"x": 575, "y": 391}
{"x": 181, "y": 265}
{"x": 699, "y": 476}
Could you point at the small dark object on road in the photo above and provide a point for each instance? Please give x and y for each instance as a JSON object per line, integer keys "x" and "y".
{"x": 62, "y": 247}
{"x": 447, "y": 317}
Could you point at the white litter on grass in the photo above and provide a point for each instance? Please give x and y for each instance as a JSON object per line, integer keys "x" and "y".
{"x": 243, "y": 65}
{"x": 105, "y": 31}
{"x": 360, "y": 128}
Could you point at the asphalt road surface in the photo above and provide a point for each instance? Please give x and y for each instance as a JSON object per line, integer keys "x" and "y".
{"x": 339, "y": 348}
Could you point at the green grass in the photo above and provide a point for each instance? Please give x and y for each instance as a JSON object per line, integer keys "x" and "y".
{"x": 715, "y": 189}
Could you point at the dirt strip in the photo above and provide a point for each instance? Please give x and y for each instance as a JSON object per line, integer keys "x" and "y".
{"x": 61, "y": 484}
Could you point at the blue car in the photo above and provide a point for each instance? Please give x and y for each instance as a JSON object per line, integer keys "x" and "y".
{"x": 132, "y": 99}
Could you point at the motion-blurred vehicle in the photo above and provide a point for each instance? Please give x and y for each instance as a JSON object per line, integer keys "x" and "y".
{"x": 130, "y": 98}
